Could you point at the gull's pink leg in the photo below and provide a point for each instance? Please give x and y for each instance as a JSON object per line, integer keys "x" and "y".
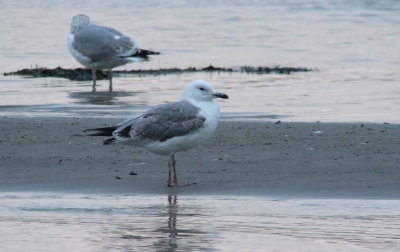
{"x": 94, "y": 79}
{"x": 94, "y": 76}
{"x": 110, "y": 87}
{"x": 172, "y": 170}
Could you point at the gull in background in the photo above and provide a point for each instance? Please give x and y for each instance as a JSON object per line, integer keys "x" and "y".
{"x": 172, "y": 127}
{"x": 99, "y": 47}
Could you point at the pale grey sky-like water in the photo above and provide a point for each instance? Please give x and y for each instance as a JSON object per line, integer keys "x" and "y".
{"x": 354, "y": 45}
{"x": 76, "y": 222}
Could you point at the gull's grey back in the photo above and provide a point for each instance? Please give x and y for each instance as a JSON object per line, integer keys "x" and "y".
{"x": 163, "y": 122}
{"x": 100, "y": 42}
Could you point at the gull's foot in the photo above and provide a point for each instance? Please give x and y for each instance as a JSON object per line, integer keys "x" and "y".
{"x": 176, "y": 184}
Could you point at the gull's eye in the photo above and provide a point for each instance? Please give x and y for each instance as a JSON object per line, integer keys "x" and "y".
{"x": 202, "y": 89}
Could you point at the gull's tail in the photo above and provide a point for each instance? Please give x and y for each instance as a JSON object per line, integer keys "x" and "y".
{"x": 106, "y": 131}
{"x": 110, "y": 141}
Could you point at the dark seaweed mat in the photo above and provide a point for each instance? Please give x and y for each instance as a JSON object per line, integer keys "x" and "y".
{"x": 83, "y": 74}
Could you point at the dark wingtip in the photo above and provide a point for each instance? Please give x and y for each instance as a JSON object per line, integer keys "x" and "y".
{"x": 106, "y": 131}
{"x": 153, "y": 53}
{"x": 142, "y": 53}
{"x": 97, "y": 134}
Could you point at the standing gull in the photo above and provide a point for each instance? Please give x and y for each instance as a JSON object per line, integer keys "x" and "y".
{"x": 172, "y": 127}
{"x": 99, "y": 47}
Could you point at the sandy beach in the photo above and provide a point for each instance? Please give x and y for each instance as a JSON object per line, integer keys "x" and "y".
{"x": 256, "y": 158}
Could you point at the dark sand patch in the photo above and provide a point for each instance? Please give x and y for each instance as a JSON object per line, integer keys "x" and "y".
{"x": 260, "y": 158}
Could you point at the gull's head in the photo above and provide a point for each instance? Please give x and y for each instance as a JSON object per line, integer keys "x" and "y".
{"x": 78, "y": 22}
{"x": 201, "y": 90}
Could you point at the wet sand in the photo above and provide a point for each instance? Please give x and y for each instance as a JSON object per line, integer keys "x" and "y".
{"x": 243, "y": 158}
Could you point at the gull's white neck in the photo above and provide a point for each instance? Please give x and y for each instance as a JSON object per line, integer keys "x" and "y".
{"x": 208, "y": 109}
{"x": 203, "y": 104}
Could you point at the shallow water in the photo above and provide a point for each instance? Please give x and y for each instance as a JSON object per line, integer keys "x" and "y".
{"x": 77, "y": 222}
{"x": 354, "y": 45}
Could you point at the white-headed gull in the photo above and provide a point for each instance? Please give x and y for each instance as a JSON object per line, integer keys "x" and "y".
{"x": 172, "y": 127}
{"x": 99, "y": 47}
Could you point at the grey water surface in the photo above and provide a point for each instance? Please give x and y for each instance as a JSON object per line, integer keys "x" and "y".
{"x": 84, "y": 222}
{"x": 354, "y": 45}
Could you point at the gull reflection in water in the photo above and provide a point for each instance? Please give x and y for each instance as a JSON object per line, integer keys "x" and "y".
{"x": 102, "y": 98}
{"x": 173, "y": 232}
{"x": 184, "y": 229}
{"x": 169, "y": 226}
{"x": 171, "y": 211}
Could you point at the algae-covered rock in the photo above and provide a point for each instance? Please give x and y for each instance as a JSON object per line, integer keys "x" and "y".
{"x": 82, "y": 74}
